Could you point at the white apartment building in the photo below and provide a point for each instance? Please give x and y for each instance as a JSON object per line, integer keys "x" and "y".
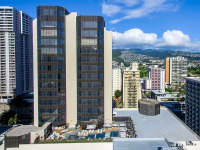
{"x": 16, "y": 63}
{"x": 146, "y": 83}
{"x": 176, "y": 69}
{"x": 116, "y": 80}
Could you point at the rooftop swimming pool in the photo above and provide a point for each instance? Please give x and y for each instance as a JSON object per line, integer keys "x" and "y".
{"x": 102, "y": 135}
{"x": 91, "y": 136}
{"x": 114, "y": 134}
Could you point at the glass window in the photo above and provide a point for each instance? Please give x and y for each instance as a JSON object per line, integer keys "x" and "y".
{"x": 48, "y": 12}
{"x": 49, "y": 41}
{"x": 89, "y": 33}
{"x": 61, "y": 12}
{"x": 100, "y": 25}
{"x": 88, "y": 42}
{"x": 91, "y": 50}
{"x": 48, "y": 50}
{"x": 88, "y": 24}
{"x": 52, "y": 24}
{"x": 48, "y": 32}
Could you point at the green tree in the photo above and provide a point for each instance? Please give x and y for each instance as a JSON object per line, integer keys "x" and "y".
{"x": 194, "y": 71}
{"x": 143, "y": 71}
{"x": 13, "y": 120}
{"x": 148, "y": 95}
{"x": 118, "y": 93}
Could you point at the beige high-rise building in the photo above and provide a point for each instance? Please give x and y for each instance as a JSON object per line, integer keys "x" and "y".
{"x": 131, "y": 86}
{"x": 72, "y": 69}
{"x": 176, "y": 69}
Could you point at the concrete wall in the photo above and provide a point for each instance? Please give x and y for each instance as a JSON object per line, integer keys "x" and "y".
{"x": 12, "y": 148}
{"x": 35, "y": 73}
{"x": 107, "y": 76}
{"x": 68, "y": 146}
{"x": 71, "y": 69}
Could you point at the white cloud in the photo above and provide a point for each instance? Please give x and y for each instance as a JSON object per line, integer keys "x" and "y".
{"x": 136, "y": 8}
{"x": 133, "y": 37}
{"x": 136, "y": 38}
{"x": 175, "y": 38}
{"x": 110, "y": 9}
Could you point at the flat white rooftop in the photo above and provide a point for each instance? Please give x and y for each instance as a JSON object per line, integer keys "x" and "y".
{"x": 68, "y": 146}
{"x": 164, "y": 125}
{"x": 141, "y": 144}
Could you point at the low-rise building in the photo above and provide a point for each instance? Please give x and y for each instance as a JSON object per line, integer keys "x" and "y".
{"x": 146, "y": 84}
{"x": 26, "y": 134}
{"x": 156, "y": 93}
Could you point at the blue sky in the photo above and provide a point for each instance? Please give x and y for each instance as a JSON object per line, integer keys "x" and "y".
{"x": 167, "y": 24}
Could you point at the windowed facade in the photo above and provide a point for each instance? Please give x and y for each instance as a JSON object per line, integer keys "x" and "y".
{"x": 51, "y": 64}
{"x": 90, "y": 70}
{"x": 16, "y": 54}
{"x": 69, "y": 71}
{"x": 192, "y": 104}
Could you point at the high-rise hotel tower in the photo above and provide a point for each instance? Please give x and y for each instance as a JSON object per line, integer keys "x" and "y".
{"x": 16, "y": 54}
{"x": 72, "y": 68}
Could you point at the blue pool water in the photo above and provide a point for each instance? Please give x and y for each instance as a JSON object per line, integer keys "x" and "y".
{"x": 100, "y": 136}
{"x": 4, "y": 128}
{"x": 91, "y": 136}
{"x": 114, "y": 134}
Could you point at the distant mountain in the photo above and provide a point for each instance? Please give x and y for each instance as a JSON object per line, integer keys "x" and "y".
{"x": 162, "y": 54}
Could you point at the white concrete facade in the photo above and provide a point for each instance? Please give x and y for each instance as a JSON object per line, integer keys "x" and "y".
{"x": 176, "y": 70}
{"x": 67, "y": 146}
{"x": 146, "y": 84}
{"x": 35, "y": 75}
{"x": 116, "y": 80}
{"x": 107, "y": 76}
{"x": 15, "y": 53}
{"x": 71, "y": 69}
{"x": 162, "y": 80}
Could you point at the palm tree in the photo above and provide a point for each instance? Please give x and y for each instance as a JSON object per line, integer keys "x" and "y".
{"x": 13, "y": 120}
